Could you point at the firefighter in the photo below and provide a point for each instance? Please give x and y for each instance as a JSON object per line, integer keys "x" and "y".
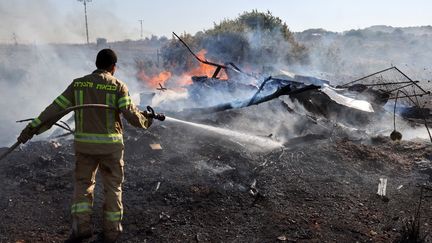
{"x": 98, "y": 143}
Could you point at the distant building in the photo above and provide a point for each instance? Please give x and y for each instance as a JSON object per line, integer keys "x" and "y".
{"x": 101, "y": 42}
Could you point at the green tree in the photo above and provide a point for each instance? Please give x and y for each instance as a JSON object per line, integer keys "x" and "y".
{"x": 254, "y": 38}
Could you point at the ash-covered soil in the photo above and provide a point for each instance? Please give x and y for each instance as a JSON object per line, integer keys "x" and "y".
{"x": 202, "y": 187}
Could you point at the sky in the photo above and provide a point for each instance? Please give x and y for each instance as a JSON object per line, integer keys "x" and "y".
{"x": 42, "y": 21}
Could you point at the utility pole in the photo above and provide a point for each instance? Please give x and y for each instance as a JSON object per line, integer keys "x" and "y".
{"x": 141, "y": 21}
{"x": 14, "y": 38}
{"x": 158, "y": 54}
{"x": 85, "y": 15}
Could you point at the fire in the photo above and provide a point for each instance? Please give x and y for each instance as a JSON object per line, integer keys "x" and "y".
{"x": 183, "y": 79}
{"x": 201, "y": 70}
{"x": 155, "y": 80}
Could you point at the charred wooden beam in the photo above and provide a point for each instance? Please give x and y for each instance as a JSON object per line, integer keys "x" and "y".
{"x": 259, "y": 90}
{"x": 218, "y": 66}
{"x": 215, "y": 74}
{"x": 198, "y": 58}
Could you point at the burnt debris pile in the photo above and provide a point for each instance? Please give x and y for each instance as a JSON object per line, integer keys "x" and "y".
{"x": 368, "y": 104}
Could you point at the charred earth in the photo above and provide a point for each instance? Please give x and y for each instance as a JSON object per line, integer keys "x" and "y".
{"x": 203, "y": 187}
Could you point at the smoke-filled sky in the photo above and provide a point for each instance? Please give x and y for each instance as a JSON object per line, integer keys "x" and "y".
{"x": 51, "y": 21}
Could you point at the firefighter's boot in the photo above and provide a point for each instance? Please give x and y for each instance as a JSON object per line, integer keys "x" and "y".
{"x": 81, "y": 228}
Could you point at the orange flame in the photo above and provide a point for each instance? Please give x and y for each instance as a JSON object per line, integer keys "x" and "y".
{"x": 201, "y": 70}
{"x": 154, "y": 81}
{"x": 185, "y": 78}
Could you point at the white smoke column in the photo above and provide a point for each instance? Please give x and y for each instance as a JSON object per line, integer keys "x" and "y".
{"x": 33, "y": 73}
{"x": 32, "y": 77}
{"x": 383, "y": 126}
{"x": 36, "y": 22}
{"x": 352, "y": 54}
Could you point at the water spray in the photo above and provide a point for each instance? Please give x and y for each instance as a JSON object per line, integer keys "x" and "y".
{"x": 247, "y": 138}
{"x": 262, "y": 142}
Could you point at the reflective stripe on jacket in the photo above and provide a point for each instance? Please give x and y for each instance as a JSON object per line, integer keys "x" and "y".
{"x": 97, "y": 131}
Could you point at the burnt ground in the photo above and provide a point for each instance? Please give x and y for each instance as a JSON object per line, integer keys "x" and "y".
{"x": 206, "y": 188}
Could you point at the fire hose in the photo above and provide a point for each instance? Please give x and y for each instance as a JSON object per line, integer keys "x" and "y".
{"x": 150, "y": 113}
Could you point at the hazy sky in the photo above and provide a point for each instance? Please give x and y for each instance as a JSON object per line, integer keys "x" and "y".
{"x": 63, "y": 20}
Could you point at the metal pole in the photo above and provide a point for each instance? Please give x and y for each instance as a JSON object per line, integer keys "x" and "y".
{"x": 86, "y": 25}
{"x": 14, "y": 37}
{"x": 157, "y": 54}
{"x": 141, "y": 21}
{"x": 370, "y": 75}
{"x": 415, "y": 83}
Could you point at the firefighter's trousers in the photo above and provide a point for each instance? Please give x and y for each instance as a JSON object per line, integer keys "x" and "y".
{"x": 111, "y": 169}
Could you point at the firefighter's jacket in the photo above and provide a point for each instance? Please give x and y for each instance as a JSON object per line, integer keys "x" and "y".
{"x": 97, "y": 130}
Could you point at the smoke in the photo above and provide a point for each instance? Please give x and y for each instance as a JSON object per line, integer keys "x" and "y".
{"x": 170, "y": 99}
{"x": 338, "y": 57}
{"x": 31, "y": 78}
{"x": 33, "y": 75}
{"x": 35, "y": 22}
{"x": 346, "y": 56}
{"x": 383, "y": 126}
{"x": 19, "y": 18}
{"x": 32, "y": 72}
{"x": 255, "y": 50}
{"x": 258, "y": 51}
{"x": 410, "y": 133}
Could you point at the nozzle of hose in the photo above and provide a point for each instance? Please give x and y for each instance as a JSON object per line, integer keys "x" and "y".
{"x": 150, "y": 113}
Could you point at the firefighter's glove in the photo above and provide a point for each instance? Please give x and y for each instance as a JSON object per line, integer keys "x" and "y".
{"x": 146, "y": 114}
{"x": 26, "y": 134}
{"x": 152, "y": 115}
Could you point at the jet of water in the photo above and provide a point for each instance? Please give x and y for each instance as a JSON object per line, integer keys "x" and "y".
{"x": 261, "y": 142}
